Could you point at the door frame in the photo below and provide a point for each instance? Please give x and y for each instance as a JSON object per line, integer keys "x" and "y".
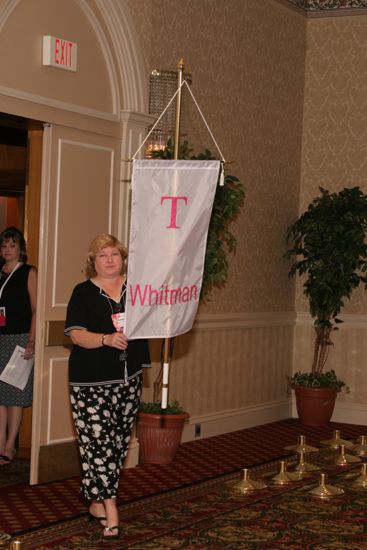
{"x": 31, "y": 234}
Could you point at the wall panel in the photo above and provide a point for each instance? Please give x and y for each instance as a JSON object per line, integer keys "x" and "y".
{"x": 232, "y": 367}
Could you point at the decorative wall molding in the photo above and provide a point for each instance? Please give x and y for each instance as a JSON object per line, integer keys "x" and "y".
{"x": 347, "y": 413}
{"x": 350, "y": 320}
{"x": 327, "y": 8}
{"x": 57, "y": 104}
{"x": 264, "y": 413}
{"x": 107, "y": 53}
{"x": 350, "y": 413}
{"x": 237, "y": 419}
{"x": 223, "y": 321}
{"x": 128, "y": 55}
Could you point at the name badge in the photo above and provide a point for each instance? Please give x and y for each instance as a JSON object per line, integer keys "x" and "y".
{"x": 2, "y": 317}
{"x": 118, "y": 320}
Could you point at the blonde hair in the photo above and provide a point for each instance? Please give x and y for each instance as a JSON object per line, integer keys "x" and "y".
{"x": 103, "y": 241}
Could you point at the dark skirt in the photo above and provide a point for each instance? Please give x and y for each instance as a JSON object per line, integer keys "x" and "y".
{"x": 10, "y": 396}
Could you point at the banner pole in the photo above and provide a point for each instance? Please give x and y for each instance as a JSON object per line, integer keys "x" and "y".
{"x": 176, "y": 151}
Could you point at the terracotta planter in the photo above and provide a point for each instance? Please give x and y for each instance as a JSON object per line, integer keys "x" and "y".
{"x": 315, "y": 406}
{"x": 159, "y": 436}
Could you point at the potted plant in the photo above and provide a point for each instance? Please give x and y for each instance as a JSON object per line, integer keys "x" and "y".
{"x": 329, "y": 250}
{"x": 159, "y": 431}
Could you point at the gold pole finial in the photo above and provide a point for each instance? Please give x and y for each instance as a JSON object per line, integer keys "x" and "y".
{"x": 181, "y": 64}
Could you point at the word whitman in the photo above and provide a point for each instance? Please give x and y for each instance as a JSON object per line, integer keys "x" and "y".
{"x": 146, "y": 295}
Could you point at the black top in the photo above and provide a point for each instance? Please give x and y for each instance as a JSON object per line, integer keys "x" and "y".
{"x": 15, "y": 298}
{"x": 90, "y": 309}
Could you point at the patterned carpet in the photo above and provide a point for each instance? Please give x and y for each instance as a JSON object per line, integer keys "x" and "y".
{"x": 52, "y": 516}
{"x": 215, "y": 515}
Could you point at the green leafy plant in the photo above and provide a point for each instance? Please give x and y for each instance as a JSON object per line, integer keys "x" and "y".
{"x": 316, "y": 380}
{"x": 328, "y": 248}
{"x": 156, "y": 408}
{"x": 227, "y": 203}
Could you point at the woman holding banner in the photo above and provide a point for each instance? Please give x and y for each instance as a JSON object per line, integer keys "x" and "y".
{"x": 105, "y": 376}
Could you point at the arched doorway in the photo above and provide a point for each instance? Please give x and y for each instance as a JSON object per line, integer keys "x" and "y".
{"x": 92, "y": 120}
{"x": 20, "y": 179}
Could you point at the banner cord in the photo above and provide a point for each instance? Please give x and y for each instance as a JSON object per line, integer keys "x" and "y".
{"x": 158, "y": 119}
{"x": 205, "y": 122}
{"x": 165, "y": 109}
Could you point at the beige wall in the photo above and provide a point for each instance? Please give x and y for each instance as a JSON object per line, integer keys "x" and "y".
{"x": 285, "y": 96}
{"x": 334, "y": 147}
{"x": 21, "y": 55}
{"x": 249, "y": 83}
{"x": 334, "y": 156}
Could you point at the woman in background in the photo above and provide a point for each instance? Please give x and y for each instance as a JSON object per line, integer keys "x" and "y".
{"x": 105, "y": 375}
{"x": 18, "y": 294}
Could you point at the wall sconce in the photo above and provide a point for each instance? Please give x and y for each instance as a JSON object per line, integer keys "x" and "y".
{"x": 162, "y": 87}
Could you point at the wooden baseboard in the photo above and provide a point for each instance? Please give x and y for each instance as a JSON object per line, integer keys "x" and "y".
{"x": 58, "y": 461}
{"x": 236, "y": 419}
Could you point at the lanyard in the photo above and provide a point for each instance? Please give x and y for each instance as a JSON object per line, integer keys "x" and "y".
{"x": 118, "y": 305}
{"x": 7, "y": 279}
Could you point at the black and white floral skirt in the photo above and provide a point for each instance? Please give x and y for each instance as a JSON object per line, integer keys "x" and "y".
{"x": 104, "y": 417}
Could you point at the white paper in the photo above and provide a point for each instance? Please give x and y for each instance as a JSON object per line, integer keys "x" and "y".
{"x": 18, "y": 369}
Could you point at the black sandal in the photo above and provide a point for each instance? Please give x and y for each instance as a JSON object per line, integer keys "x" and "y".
{"x": 5, "y": 459}
{"x": 110, "y": 530}
{"x": 97, "y": 518}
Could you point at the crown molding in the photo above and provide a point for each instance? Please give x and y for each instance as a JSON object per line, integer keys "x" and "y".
{"x": 326, "y": 8}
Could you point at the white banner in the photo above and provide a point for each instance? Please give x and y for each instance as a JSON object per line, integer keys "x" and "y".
{"x": 172, "y": 202}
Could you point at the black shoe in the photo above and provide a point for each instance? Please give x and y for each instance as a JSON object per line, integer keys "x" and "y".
{"x": 96, "y": 518}
{"x": 110, "y": 530}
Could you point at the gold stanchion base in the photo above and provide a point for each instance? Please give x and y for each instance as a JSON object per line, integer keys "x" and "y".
{"x": 361, "y": 480}
{"x": 301, "y": 446}
{"x": 360, "y": 449}
{"x": 324, "y": 490}
{"x": 336, "y": 441}
{"x": 284, "y": 477}
{"x": 345, "y": 459}
{"x": 304, "y": 467}
{"x": 247, "y": 485}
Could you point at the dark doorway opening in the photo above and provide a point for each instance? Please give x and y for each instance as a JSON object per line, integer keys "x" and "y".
{"x": 13, "y": 170}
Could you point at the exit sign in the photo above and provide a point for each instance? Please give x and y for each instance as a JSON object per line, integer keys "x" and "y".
{"x": 59, "y": 53}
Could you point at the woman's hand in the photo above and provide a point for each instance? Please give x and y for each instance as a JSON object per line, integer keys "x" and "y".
{"x": 116, "y": 340}
{"x": 29, "y": 350}
{"x": 93, "y": 340}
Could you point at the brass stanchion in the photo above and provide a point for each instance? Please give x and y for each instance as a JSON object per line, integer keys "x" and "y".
{"x": 247, "y": 485}
{"x": 284, "y": 477}
{"x": 336, "y": 441}
{"x": 304, "y": 467}
{"x": 324, "y": 490}
{"x": 345, "y": 459}
{"x": 301, "y": 446}
{"x": 362, "y": 478}
{"x": 361, "y": 448}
